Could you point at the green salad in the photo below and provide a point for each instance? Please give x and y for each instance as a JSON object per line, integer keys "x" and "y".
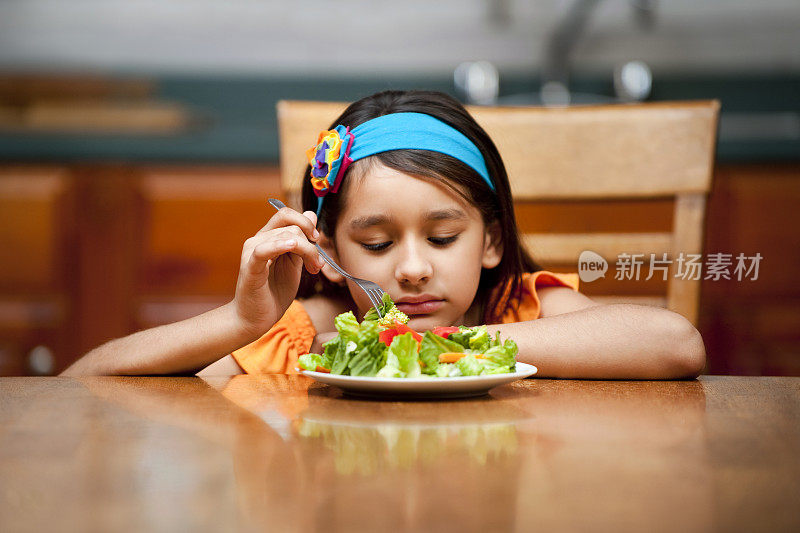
{"x": 387, "y": 347}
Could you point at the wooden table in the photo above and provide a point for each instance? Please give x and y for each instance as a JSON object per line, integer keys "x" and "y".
{"x": 284, "y": 453}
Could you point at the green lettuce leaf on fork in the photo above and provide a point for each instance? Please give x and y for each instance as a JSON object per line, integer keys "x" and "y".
{"x": 390, "y": 312}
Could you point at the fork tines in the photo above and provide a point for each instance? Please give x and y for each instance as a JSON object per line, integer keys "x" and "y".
{"x": 375, "y": 296}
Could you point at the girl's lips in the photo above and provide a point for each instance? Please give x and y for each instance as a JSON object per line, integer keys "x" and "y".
{"x": 420, "y": 308}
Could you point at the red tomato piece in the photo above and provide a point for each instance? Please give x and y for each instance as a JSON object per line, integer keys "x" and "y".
{"x": 387, "y": 335}
{"x": 444, "y": 331}
{"x": 402, "y": 328}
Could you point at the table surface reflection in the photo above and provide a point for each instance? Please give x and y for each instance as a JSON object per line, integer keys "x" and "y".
{"x": 285, "y": 453}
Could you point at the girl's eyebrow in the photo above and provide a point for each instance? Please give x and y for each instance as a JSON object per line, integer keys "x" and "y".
{"x": 377, "y": 220}
{"x": 445, "y": 214}
{"x": 369, "y": 221}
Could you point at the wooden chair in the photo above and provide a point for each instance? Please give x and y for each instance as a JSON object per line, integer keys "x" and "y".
{"x": 646, "y": 151}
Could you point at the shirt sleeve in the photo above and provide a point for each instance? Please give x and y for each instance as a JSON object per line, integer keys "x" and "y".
{"x": 276, "y": 352}
{"x": 528, "y": 306}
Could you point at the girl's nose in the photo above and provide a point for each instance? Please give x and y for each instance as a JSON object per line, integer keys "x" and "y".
{"x": 413, "y": 267}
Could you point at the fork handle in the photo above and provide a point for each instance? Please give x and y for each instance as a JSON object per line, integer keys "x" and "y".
{"x": 277, "y": 204}
{"x": 331, "y": 262}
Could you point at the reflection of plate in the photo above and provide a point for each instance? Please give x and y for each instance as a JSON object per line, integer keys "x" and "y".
{"x": 370, "y": 448}
{"x": 422, "y": 387}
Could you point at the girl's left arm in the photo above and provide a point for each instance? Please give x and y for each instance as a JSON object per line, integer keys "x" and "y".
{"x": 576, "y": 337}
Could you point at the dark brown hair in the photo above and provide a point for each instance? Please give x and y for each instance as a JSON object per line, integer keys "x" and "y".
{"x": 493, "y": 206}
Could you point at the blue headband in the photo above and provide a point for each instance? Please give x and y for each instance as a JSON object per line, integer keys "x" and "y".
{"x": 337, "y": 148}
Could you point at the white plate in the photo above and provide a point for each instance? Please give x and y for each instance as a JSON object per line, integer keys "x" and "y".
{"x": 457, "y": 387}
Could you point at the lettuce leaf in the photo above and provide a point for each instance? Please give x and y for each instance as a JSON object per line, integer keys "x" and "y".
{"x": 493, "y": 369}
{"x": 347, "y": 342}
{"x": 310, "y": 361}
{"x": 469, "y": 366}
{"x": 401, "y": 358}
{"x": 503, "y": 355}
{"x": 465, "y": 335}
{"x": 367, "y": 360}
{"x": 390, "y": 370}
{"x": 370, "y": 353}
{"x": 479, "y": 342}
{"x": 329, "y": 352}
{"x": 341, "y": 360}
{"x": 347, "y": 326}
{"x": 445, "y": 370}
{"x": 501, "y": 359}
{"x": 431, "y": 346}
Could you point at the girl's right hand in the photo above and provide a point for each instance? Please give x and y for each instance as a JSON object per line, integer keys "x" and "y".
{"x": 270, "y": 269}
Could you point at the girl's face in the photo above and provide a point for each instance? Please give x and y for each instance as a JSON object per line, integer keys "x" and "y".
{"x": 417, "y": 239}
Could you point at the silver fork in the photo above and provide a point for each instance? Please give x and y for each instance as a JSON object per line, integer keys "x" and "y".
{"x": 374, "y": 292}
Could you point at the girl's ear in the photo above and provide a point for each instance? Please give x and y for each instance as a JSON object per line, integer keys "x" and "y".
{"x": 327, "y": 244}
{"x": 492, "y": 246}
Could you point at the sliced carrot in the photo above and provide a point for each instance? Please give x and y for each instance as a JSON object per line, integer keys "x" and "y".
{"x": 323, "y": 369}
{"x": 451, "y": 357}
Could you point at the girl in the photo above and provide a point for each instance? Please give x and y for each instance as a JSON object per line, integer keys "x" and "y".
{"x": 408, "y": 191}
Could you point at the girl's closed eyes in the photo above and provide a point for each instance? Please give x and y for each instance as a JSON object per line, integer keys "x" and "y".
{"x": 443, "y": 241}
{"x": 378, "y": 247}
{"x": 442, "y": 227}
{"x": 437, "y": 241}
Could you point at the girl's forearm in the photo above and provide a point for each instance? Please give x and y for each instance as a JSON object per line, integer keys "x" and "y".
{"x": 618, "y": 341}
{"x": 184, "y": 346}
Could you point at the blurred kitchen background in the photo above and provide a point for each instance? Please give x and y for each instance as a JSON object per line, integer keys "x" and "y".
{"x": 138, "y": 141}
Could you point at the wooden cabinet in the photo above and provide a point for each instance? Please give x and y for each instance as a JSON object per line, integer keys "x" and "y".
{"x": 93, "y": 252}
{"x": 194, "y": 224}
{"x": 36, "y": 234}
{"x": 89, "y": 253}
{"x": 752, "y": 327}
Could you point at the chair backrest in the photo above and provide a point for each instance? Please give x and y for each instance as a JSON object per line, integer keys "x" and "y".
{"x": 610, "y": 152}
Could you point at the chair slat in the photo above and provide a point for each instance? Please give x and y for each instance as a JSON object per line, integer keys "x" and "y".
{"x": 565, "y": 248}
{"x": 595, "y": 152}
{"x": 683, "y": 296}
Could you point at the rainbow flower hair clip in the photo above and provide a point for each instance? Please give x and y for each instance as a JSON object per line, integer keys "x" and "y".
{"x": 329, "y": 159}
{"x": 336, "y": 149}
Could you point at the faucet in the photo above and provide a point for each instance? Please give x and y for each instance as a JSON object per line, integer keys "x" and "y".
{"x": 632, "y": 80}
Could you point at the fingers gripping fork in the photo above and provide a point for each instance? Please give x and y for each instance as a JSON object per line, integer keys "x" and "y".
{"x": 373, "y": 290}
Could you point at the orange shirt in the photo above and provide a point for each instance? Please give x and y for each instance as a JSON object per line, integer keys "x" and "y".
{"x": 276, "y": 352}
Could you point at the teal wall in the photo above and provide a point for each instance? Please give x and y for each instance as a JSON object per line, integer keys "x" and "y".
{"x": 238, "y": 122}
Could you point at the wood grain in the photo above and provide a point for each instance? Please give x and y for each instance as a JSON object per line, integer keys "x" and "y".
{"x": 284, "y": 453}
